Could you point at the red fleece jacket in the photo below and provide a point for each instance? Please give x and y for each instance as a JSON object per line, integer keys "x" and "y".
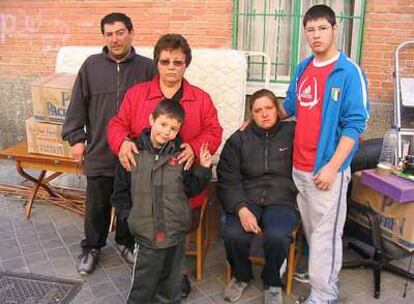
{"x": 200, "y": 123}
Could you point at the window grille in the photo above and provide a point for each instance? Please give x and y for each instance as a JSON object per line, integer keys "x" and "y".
{"x": 275, "y": 27}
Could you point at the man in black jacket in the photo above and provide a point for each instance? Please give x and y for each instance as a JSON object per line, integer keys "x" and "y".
{"x": 257, "y": 192}
{"x": 96, "y": 97}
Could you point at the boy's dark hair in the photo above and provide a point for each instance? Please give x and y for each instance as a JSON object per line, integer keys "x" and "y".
{"x": 320, "y": 11}
{"x": 264, "y": 93}
{"x": 172, "y": 42}
{"x": 114, "y": 17}
{"x": 169, "y": 108}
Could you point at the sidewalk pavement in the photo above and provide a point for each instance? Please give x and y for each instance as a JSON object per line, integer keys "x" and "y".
{"x": 48, "y": 244}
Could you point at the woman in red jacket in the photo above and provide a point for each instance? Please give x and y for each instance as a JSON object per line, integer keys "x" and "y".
{"x": 172, "y": 56}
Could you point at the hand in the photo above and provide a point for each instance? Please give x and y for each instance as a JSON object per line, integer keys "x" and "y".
{"x": 205, "y": 156}
{"x": 187, "y": 156}
{"x": 126, "y": 156}
{"x": 325, "y": 178}
{"x": 248, "y": 220}
{"x": 78, "y": 151}
{"x": 245, "y": 125}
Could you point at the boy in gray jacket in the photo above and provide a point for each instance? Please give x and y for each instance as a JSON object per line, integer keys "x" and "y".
{"x": 154, "y": 199}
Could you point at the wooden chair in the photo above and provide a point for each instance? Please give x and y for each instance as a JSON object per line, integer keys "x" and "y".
{"x": 197, "y": 240}
{"x": 295, "y": 248}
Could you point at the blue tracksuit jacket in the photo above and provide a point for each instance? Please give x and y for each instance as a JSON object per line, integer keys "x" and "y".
{"x": 345, "y": 109}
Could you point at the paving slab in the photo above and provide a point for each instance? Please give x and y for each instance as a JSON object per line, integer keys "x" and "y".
{"x": 48, "y": 244}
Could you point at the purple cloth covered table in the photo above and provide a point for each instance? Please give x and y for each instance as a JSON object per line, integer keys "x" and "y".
{"x": 395, "y": 187}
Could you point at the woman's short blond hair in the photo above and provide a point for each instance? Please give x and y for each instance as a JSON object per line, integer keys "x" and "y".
{"x": 265, "y": 93}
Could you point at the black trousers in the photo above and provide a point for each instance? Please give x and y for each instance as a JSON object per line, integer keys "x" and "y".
{"x": 277, "y": 223}
{"x": 98, "y": 214}
{"x": 157, "y": 275}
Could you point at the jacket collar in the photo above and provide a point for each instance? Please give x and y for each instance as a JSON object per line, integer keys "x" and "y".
{"x": 130, "y": 56}
{"x": 143, "y": 142}
{"x": 262, "y": 132}
{"x": 340, "y": 64}
{"x": 155, "y": 90}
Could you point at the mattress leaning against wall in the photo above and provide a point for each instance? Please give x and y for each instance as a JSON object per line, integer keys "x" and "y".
{"x": 220, "y": 72}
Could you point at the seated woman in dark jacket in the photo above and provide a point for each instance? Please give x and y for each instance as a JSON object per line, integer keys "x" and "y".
{"x": 257, "y": 192}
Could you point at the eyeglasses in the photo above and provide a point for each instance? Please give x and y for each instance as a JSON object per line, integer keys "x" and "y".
{"x": 167, "y": 62}
{"x": 311, "y": 31}
{"x": 119, "y": 33}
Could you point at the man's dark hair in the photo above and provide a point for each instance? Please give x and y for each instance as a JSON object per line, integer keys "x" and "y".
{"x": 114, "y": 17}
{"x": 264, "y": 93}
{"x": 169, "y": 108}
{"x": 172, "y": 42}
{"x": 320, "y": 11}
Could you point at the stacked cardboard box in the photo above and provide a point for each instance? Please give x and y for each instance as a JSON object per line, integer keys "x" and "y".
{"x": 50, "y": 100}
{"x": 396, "y": 219}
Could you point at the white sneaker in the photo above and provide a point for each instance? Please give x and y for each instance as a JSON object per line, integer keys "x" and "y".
{"x": 234, "y": 290}
{"x": 273, "y": 295}
{"x": 305, "y": 301}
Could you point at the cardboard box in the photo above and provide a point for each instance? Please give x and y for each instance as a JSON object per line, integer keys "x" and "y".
{"x": 396, "y": 219}
{"x": 51, "y": 97}
{"x": 46, "y": 138}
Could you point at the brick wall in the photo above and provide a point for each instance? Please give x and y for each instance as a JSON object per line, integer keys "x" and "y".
{"x": 31, "y": 32}
{"x": 387, "y": 24}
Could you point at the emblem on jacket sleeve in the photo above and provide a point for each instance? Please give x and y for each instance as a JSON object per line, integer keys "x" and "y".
{"x": 173, "y": 161}
{"x": 335, "y": 93}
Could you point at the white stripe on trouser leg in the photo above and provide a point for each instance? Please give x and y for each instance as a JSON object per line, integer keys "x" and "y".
{"x": 323, "y": 216}
{"x": 136, "y": 249}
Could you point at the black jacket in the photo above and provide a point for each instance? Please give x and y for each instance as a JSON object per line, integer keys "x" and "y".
{"x": 154, "y": 195}
{"x": 255, "y": 167}
{"x": 96, "y": 97}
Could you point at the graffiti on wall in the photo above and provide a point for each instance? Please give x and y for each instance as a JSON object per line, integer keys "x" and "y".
{"x": 29, "y": 27}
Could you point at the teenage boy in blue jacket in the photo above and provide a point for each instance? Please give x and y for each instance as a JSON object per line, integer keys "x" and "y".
{"x": 328, "y": 96}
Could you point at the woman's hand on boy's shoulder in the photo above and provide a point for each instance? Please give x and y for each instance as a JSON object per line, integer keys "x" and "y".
{"x": 126, "y": 154}
{"x": 186, "y": 156}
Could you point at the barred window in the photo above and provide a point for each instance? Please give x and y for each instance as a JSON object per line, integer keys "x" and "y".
{"x": 275, "y": 27}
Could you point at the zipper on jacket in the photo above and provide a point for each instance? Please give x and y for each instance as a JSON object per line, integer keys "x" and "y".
{"x": 154, "y": 202}
{"x": 266, "y": 152}
{"x": 157, "y": 208}
{"x": 117, "y": 87}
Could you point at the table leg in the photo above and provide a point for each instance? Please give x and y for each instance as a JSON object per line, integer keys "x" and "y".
{"x": 42, "y": 182}
{"x": 28, "y": 208}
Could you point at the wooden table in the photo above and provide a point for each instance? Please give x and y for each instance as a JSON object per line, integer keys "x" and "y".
{"x": 56, "y": 165}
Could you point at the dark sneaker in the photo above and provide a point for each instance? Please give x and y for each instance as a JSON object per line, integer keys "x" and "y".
{"x": 127, "y": 253}
{"x": 234, "y": 290}
{"x": 185, "y": 286}
{"x": 302, "y": 276}
{"x": 87, "y": 261}
{"x": 273, "y": 295}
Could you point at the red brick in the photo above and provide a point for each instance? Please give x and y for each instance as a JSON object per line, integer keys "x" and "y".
{"x": 36, "y": 29}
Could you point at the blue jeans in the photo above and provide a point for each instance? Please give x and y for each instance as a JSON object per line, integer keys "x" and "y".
{"x": 277, "y": 223}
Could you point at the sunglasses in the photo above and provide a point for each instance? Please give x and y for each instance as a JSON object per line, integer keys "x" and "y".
{"x": 167, "y": 62}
